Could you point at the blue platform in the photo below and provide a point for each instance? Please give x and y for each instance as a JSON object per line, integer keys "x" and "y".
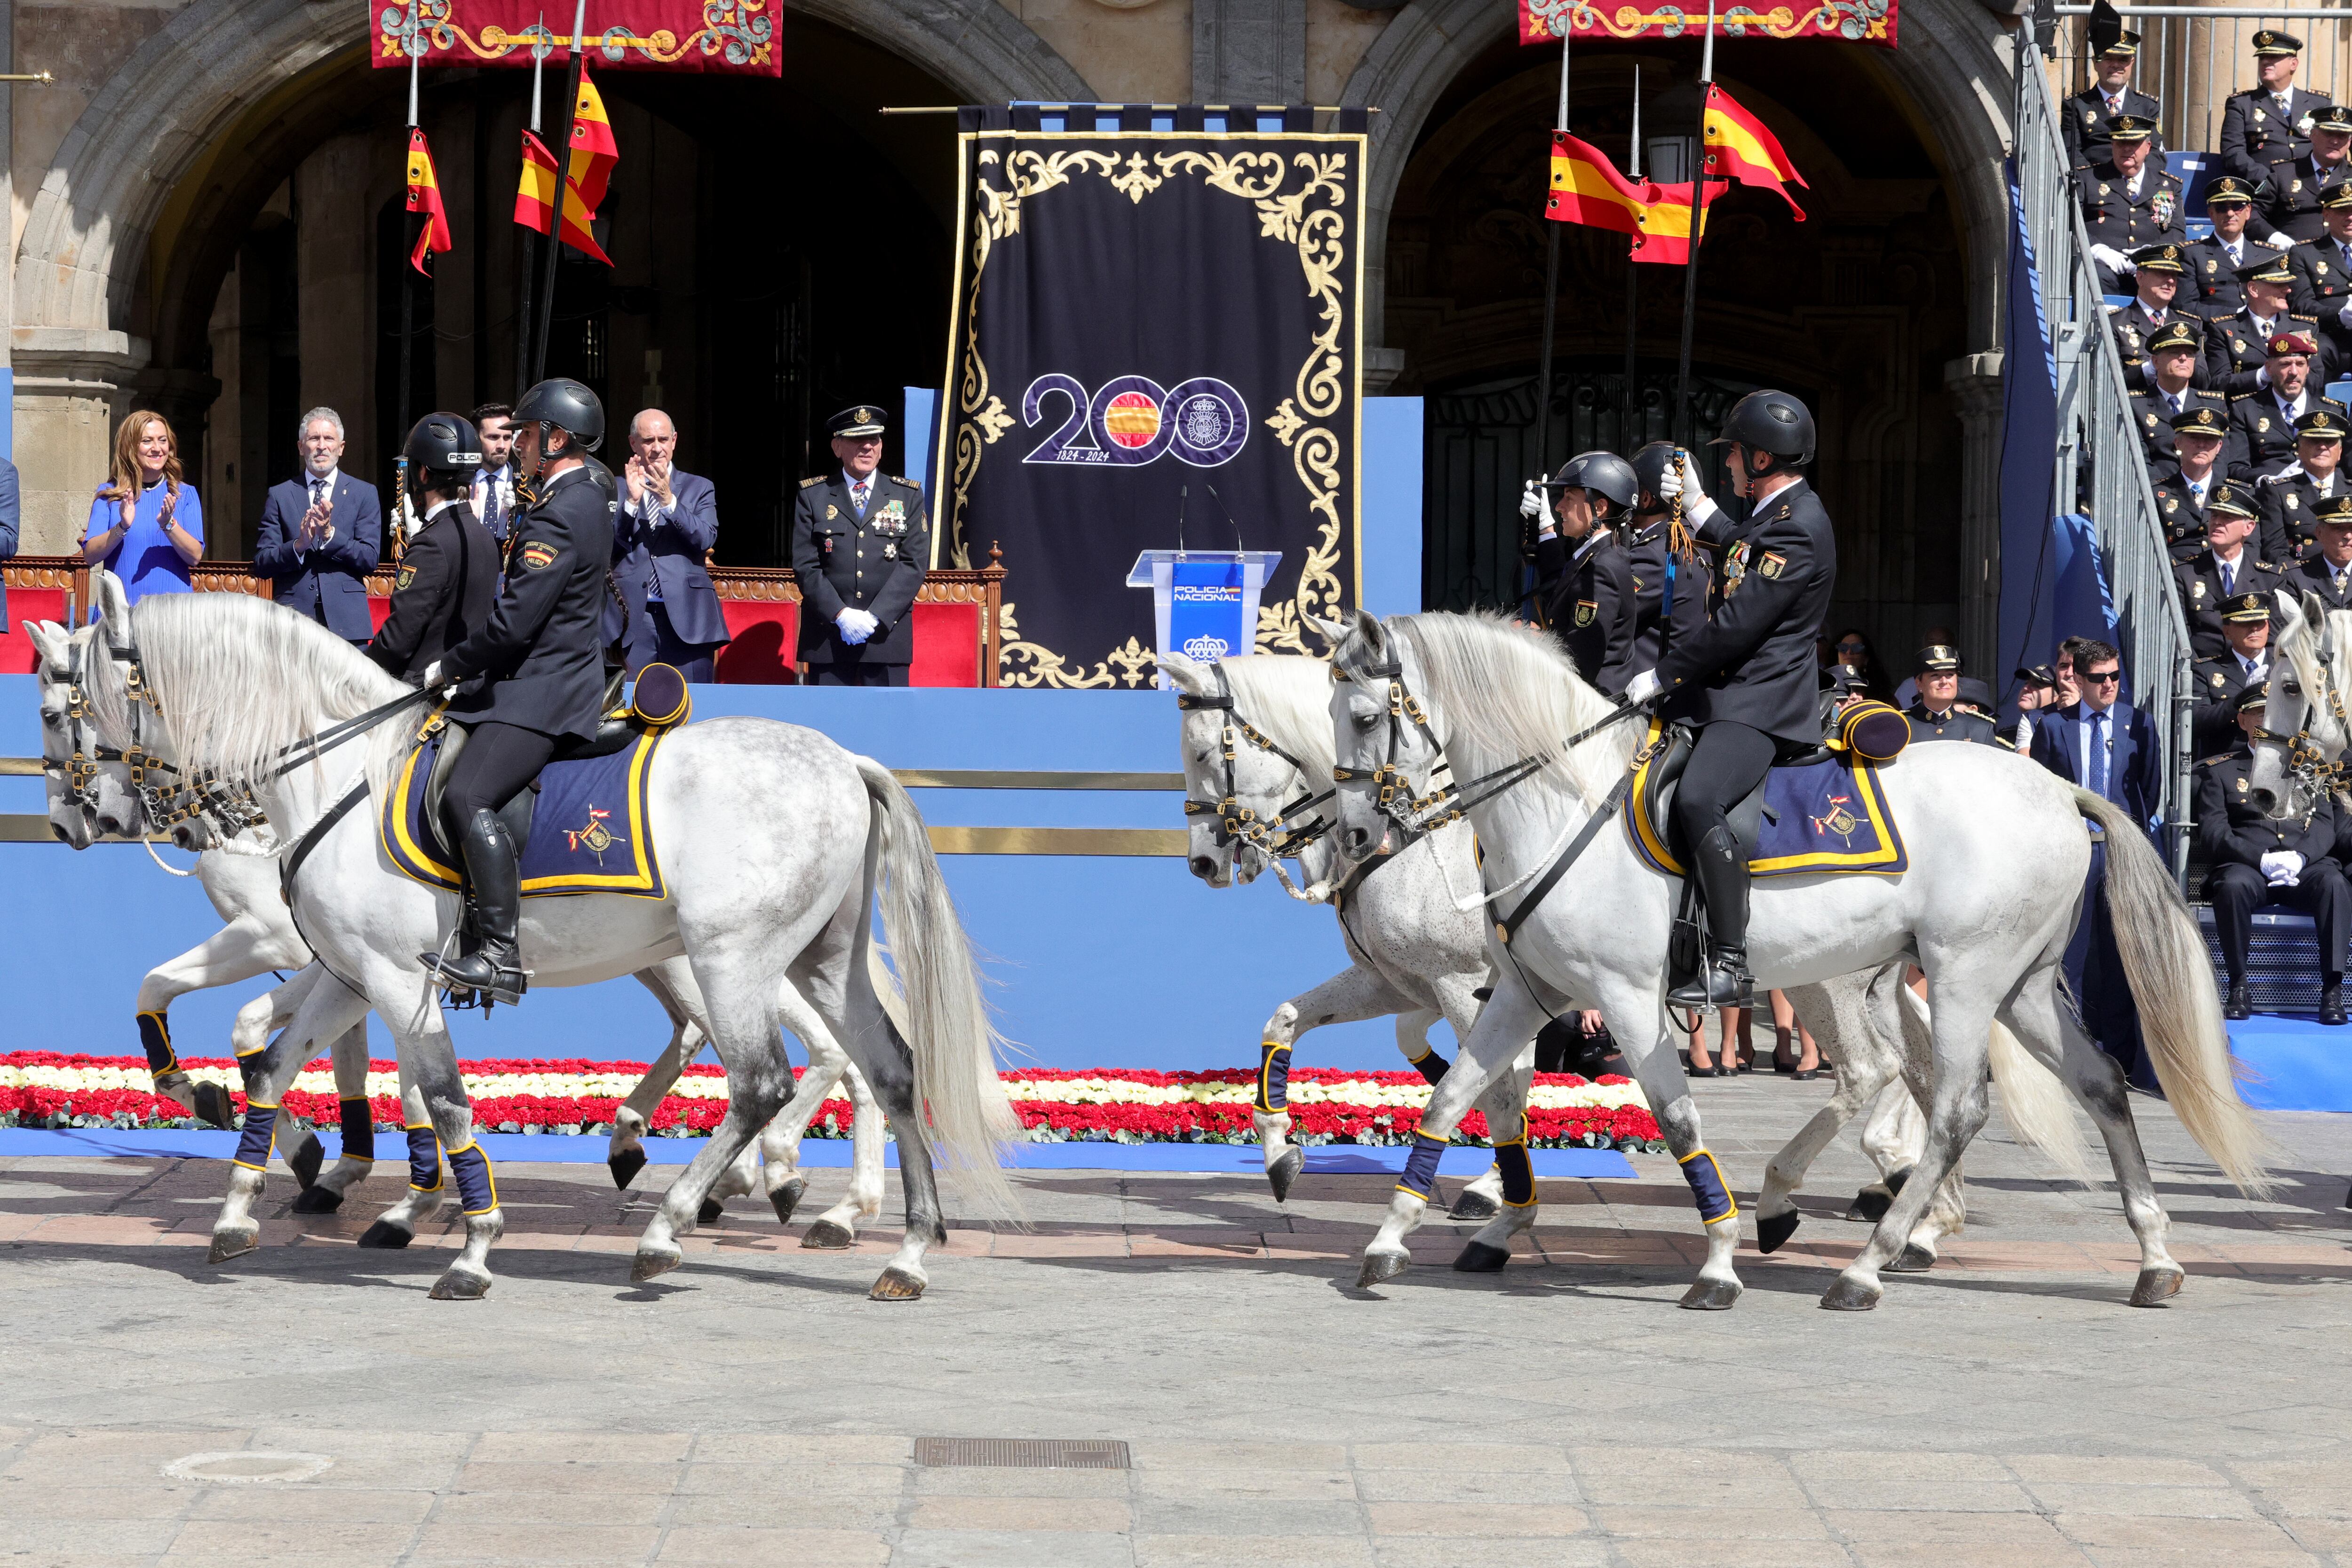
{"x": 2299, "y": 1064}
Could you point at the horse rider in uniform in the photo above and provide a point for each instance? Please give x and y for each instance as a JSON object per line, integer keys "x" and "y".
{"x": 542, "y": 655}
{"x": 2083, "y": 124}
{"x": 1582, "y": 573}
{"x": 1936, "y": 713}
{"x": 2264, "y": 129}
{"x": 861, "y": 544}
{"x": 1752, "y": 668}
{"x": 2128, "y": 201}
{"x": 2219, "y": 677}
{"x": 448, "y": 576}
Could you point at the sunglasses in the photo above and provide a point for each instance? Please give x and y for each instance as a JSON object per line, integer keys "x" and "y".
{"x": 2101, "y": 677}
{"x": 1853, "y": 647}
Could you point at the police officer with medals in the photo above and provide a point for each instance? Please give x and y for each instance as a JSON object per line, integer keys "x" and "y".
{"x": 1750, "y": 671}
{"x": 2212, "y": 289}
{"x": 2253, "y": 859}
{"x": 2290, "y": 499}
{"x": 1936, "y": 713}
{"x": 448, "y": 575}
{"x": 1581, "y": 572}
{"x": 861, "y": 545}
{"x": 2327, "y": 572}
{"x": 541, "y": 654}
{"x": 2262, "y": 422}
{"x": 2226, "y": 567}
{"x": 2128, "y": 201}
{"x": 2083, "y": 125}
{"x": 2291, "y": 208}
{"x": 2264, "y": 128}
{"x": 2220, "y": 677}
{"x": 2198, "y": 435}
{"x": 2237, "y": 346}
{"x": 2172, "y": 351}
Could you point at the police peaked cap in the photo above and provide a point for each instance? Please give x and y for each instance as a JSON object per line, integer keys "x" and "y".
{"x": 2336, "y": 511}
{"x": 1940, "y": 656}
{"x": 2251, "y": 605}
{"x": 2131, "y": 128}
{"x": 2158, "y": 258}
{"x": 2320, "y": 424}
{"x": 2202, "y": 419}
{"x": 2272, "y": 42}
{"x": 2126, "y": 43}
{"x": 2228, "y": 189}
{"x": 2340, "y": 194}
{"x": 863, "y": 419}
{"x": 2232, "y": 497}
{"x": 443, "y": 443}
{"x": 2266, "y": 269}
{"x": 2253, "y": 696}
{"x": 2174, "y": 335}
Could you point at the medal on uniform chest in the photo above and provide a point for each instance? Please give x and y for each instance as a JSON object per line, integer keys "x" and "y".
{"x": 890, "y": 550}
{"x": 2197, "y": 591}
{"x": 2263, "y": 423}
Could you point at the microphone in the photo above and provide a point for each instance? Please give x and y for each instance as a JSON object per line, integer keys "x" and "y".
{"x": 1184, "y": 495}
{"x": 1211, "y": 489}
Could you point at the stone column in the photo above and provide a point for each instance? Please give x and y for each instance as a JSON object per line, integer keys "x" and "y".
{"x": 69, "y": 382}
{"x": 1974, "y": 382}
{"x": 1249, "y": 51}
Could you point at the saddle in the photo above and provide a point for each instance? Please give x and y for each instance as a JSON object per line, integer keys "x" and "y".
{"x": 1860, "y": 735}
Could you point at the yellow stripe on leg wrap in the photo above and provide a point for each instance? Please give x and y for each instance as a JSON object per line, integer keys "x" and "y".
{"x": 1709, "y": 1190}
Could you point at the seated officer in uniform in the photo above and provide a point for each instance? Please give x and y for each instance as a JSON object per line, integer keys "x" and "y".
{"x": 2197, "y": 436}
{"x": 1751, "y": 674}
{"x": 2262, "y": 422}
{"x": 2290, "y": 499}
{"x": 542, "y": 651}
{"x": 1938, "y": 714}
{"x": 2083, "y": 123}
{"x": 2327, "y": 570}
{"x": 2264, "y": 129}
{"x": 2127, "y": 201}
{"x": 2323, "y": 269}
{"x": 2212, "y": 288}
{"x": 861, "y": 545}
{"x": 2157, "y": 271}
{"x": 2252, "y": 860}
{"x": 1582, "y": 576}
{"x": 2237, "y": 346}
{"x": 2288, "y": 208}
{"x": 448, "y": 579}
{"x": 2226, "y": 567}
{"x": 2246, "y": 661}
{"x": 2174, "y": 351}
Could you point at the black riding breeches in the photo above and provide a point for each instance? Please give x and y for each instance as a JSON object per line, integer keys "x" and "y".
{"x": 1728, "y": 760}
{"x": 499, "y": 763}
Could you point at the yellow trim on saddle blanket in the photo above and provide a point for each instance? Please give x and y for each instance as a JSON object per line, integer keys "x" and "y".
{"x": 404, "y": 848}
{"x": 1868, "y": 796}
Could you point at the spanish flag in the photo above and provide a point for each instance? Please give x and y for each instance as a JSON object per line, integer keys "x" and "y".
{"x": 1586, "y": 188}
{"x": 424, "y": 196}
{"x": 1739, "y": 148}
{"x": 535, "y": 201}
{"x": 594, "y": 150}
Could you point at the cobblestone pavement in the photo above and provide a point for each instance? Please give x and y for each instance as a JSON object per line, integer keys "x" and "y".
{"x": 754, "y": 1407}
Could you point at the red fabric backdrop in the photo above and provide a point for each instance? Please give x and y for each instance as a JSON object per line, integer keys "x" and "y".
{"x": 736, "y": 38}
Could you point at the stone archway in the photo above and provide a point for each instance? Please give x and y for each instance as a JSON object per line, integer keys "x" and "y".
{"x": 84, "y": 327}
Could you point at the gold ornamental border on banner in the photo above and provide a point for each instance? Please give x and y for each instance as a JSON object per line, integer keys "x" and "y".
{"x": 1320, "y": 214}
{"x": 737, "y": 30}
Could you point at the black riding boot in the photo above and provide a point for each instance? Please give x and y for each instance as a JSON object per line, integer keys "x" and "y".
{"x": 494, "y": 887}
{"x": 1721, "y": 868}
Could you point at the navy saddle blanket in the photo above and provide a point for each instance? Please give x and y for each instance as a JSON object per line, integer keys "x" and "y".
{"x": 1817, "y": 817}
{"x": 588, "y": 831}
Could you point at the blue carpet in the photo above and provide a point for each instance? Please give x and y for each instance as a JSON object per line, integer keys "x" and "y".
{"x": 829, "y": 1154}
{"x": 2299, "y": 1064}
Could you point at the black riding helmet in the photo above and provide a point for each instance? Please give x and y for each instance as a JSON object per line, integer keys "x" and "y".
{"x": 443, "y": 450}
{"x": 1771, "y": 422}
{"x": 567, "y": 405}
{"x": 1602, "y": 473}
{"x": 1650, "y": 465}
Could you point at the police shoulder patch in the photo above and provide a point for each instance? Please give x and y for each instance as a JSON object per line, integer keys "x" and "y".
{"x": 910, "y": 483}
{"x": 538, "y": 553}
{"x": 2216, "y": 757}
{"x": 407, "y": 575}
{"x": 1772, "y": 564}
{"x": 812, "y": 479}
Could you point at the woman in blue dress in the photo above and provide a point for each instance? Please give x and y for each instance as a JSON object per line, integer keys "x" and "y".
{"x": 146, "y": 526}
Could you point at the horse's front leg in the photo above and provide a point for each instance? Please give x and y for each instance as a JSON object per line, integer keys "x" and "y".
{"x": 1354, "y": 993}
{"x": 328, "y": 1009}
{"x": 239, "y": 951}
{"x": 356, "y": 1118}
{"x": 1648, "y": 1045}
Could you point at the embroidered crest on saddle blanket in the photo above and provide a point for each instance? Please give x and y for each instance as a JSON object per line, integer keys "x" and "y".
{"x": 588, "y": 831}
{"x": 1831, "y": 818}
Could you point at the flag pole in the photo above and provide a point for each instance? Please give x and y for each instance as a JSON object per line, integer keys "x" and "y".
{"x": 540, "y": 50}
{"x": 1543, "y": 354}
{"x": 562, "y": 151}
{"x": 407, "y": 299}
{"x": 1698, "y": 218}
{"x": 1625, "y": 435}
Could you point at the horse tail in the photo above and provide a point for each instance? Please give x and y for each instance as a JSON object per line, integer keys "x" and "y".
{"x": 2039, "y": 1111}
{"x": 969, "y": 1121}
{"x": 2171, "y": 980}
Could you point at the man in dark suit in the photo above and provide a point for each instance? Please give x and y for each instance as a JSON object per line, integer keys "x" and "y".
{"x": 2227, "y": 567}
{"x": 2212, "y": 288}
{"x": 2127, "y": 201}
{"x": 2219, "y": 678}
{"x": 861, "y": 545}
{"x": 669, "y": 521}
{"x": 1583, "y": 577}
{"x": 2253, "y": 860}
{"x": 2109, "y": 747}
{"x": 493, "y": 495}
{"x": 448, "y": 576}
{"x": 321, "y": 535}
{"x": 2323, "y": 270}
{"x": 2327, "y": 570}
{"x": 2264, "y": 129}
{"x": 2083, "y": 124}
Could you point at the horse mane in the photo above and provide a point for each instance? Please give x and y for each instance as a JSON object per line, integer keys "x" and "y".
{"x": 239, "y": 680}
{"x": 1288, "y": 697}
{"x": 1504, "y": 692}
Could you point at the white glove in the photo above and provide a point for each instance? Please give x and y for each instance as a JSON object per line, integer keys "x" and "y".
{"x": 2282, "y": 867}
{"x": 1681, "y": 478}
{"x": 1642, "y": 688}
{"x": 2111, "y": 259}
{"x": 433, "y": 680}
{"x": 1531, "y": 499}
{"x": 404, "y": 519}
{"x": 856, "y": 626}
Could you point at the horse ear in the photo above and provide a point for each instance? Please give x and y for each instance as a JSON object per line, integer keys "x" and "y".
{"x": 1368, "y": 627}
{"x": 45, "y": 636}
{"x": 1187, "y": 677}
{"x": 111, "y": 599}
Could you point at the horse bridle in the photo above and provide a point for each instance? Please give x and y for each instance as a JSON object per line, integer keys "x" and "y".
{"x": 1236, "y": 823}
{"x": 2318, "y": 777}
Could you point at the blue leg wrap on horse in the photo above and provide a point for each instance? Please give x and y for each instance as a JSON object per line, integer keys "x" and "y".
{"x": 1518, "y": 1173}
{"x": 1274, "y": 1078}
{"x": 260, "y": 1131}
{"x": 1420, "y": 1177}
{"x": 155, "y": 1034}
{"x": 474, "y": 1188}
{"x": 1709, "y": 1190}
{"x": 423, "y": 1160}
{"x": 359, "y": 1129}
{"x": 1431, "y": 1065}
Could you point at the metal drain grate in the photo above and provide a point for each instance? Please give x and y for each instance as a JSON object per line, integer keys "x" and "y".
{"x": 1023, "y": 1453}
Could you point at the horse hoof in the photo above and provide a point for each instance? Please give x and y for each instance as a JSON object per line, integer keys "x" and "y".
{"x": 624, "y": 1167}
{"x": 237, "y": 1243}
{"x": 2155, "y": 1287}
{"x": 1773, "y": 1230}
{"x": 304, "y": 1160}
{"x": 896, "y": 1285}
{"x": 390, "y": 1238}
{"x": 653, "y": 1263}
{"x": 1710, "y": 1295}
{"x": 828, "y": 1236}
{"x": 460, "y": 1285}
{"x": 1381, "y": 1266}
{"x": 787, "y": 1199}
{"x": 710, "y": 1212}
{"x": 318, "y": 1200}
{"x": 214, "y": 1107}
{"x": 1473, "y": 1205}
{"x": 1845, "y": 1295}
{"x": 1913, "y": 1259}
{"x": 1285, "y": 1170}
{"x": 1870, "y": 1207}
{"x": 1477, "y": 1257}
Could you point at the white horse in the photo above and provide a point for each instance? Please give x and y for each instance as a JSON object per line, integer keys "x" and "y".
{"x": 773, "y": 842}
{"x": 1997, "y": 858}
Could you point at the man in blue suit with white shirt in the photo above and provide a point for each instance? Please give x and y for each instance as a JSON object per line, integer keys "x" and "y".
{"x": 667, "y": 520}
{"x": 321, "y": 535}
{"x": 2109, "y": 747}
